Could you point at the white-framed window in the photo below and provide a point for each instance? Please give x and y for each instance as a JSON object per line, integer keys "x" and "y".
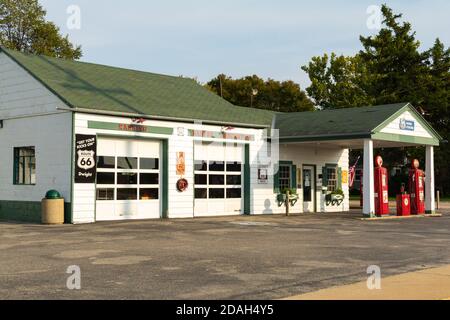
{"x": 331, "y": 179}
{"x": 24, "y": 166}
{"x": 217, "y": 179}
{"x": 284, "y": 177}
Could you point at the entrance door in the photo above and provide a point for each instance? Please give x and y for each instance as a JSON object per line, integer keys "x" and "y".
{"x": 308, "y": 189}
{"x": 128, "y": 179}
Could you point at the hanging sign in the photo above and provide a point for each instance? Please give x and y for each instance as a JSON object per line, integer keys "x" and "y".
{"x": 262, "y": 175}
{"x": 181, "y": 164}
{"x": 85, "y": 158}
{"x": 344, "y": 176}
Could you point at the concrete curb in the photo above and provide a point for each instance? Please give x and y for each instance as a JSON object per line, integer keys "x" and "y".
{"x": 435, "y": 215}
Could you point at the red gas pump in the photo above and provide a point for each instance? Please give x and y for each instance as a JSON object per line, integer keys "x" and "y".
{"x": 416, "y": 188}
{"x": 381, "y": 188}
{"x": 403, "y": 202}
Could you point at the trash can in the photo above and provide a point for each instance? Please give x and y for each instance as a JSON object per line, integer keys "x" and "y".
{"x": 52, "y": 208}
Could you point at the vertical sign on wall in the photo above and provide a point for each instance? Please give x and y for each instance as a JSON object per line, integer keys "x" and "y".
{"x": 85, "y": 158}
{"x": 181, "y": 164}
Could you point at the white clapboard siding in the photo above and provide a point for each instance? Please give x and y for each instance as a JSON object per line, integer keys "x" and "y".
{"x": 263, "y": 197}
{"x": 51, "y": 135}
{"x": 21, "y": 94}
{"x": 394, "y": 127}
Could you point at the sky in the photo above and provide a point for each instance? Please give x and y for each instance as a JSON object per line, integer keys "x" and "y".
{"x": 203, "y": 38}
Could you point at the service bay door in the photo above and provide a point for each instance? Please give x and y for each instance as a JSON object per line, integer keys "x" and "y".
{"x": 128, "y": 179}
{"x": 219, "y": 171}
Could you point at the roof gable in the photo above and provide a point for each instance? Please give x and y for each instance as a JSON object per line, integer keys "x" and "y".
{"x": 407, "y": 121}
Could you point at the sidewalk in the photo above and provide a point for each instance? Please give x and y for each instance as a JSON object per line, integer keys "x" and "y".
{"x": 427, "y": 284}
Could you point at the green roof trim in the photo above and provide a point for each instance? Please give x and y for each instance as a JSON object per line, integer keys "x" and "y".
{"x": 82, "y": 85}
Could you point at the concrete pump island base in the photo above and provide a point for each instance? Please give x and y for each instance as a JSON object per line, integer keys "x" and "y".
{"x": 122, "y": 144}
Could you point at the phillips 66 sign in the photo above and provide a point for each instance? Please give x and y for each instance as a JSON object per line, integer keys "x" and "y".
{"x": 85, "y": 158}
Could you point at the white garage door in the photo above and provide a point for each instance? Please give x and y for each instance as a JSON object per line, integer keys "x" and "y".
{"x": 128, "y": 179}
{"x": 218, "y": 179}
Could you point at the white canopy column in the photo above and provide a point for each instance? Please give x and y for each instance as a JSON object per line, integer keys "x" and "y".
{"x": 429, "y": 180}
{"x": 368, "y": 179}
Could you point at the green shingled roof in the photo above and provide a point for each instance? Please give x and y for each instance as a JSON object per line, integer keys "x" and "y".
{"x": 98, "y": 87}
{"x": 348, "y": 123}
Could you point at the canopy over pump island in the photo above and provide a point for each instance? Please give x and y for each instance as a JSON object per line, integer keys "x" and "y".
{"x": 122, "y": 144}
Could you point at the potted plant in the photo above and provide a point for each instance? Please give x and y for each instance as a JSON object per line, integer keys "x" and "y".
{"x": 293, "y": 196}
{"x": 335, "y": 198}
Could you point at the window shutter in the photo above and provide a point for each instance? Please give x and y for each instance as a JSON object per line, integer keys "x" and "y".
{"x": 294, "y": 178}
{"x": 324, "y": 177}
{"x": 339, "y": 178}
{"x": 276, "y": 181}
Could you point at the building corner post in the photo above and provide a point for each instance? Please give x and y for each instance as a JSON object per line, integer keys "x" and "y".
{"x": 430, "y": 206}
{"x": 368, "y": 180}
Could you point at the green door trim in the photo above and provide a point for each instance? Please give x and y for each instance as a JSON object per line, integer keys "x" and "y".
{"x": 314, "y": 183}
{"x": 247, "y": 180}
{"x": 165, "y": 178}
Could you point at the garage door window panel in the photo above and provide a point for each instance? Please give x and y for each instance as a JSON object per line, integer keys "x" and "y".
{"x": 201, "y": 193}
{"x": 127, "y": 163}
{"x": 216, "y": 193}
{"x": 200, "y": 165}
{"x": 105, "y": 178}
{"x": 216, "y": 180}
{"x": 234, "y": 180}
{"x": 127, "y": 194}
{"x": 149, "y": 194}
{"x": 234, "y": 166}
{"x": 216, "y": 166}
{"x": 127, "y": 178}
{"x": 149, "y": 164}
{"x": 149, "y": 178}
{"x": 104, "y": 162}
{"x": 201, "y": 179}
{"x": 105, "y": 194}
{"x": 234, "y": 193}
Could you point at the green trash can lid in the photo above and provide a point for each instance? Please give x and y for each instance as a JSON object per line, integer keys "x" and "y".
{"x": 52, "y": 194}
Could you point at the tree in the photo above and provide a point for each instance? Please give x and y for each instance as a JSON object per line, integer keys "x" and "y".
{"x": 391, "y": 69}
{"x": 395, "y": 67}
{"x": 437, "y": 107}
{"x": 23, "y": 27}
{"x": 252, "y": 91}
{"x": 337, "y": 82}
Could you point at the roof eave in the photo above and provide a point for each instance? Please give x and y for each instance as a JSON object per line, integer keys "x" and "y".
{"x": 163, "y": 118}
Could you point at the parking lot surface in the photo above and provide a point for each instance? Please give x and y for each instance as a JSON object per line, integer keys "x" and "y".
{"x": 254, "y": 257}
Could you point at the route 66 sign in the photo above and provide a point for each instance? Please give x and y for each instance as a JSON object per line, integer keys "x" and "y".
{"x": 85, "y": 158}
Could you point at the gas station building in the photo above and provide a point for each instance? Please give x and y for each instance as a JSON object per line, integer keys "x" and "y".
{"x": 121, "y": 144}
